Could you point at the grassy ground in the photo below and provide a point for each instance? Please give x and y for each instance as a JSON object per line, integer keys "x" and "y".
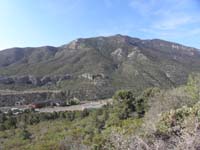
{"x": 44, "y": 136}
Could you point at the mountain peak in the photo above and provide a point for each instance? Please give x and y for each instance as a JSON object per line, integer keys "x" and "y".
{"x": 105, "y": 63}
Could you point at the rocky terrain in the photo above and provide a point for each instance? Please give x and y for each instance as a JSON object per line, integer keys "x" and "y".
{"x": 32, "y": 80}
{"x": 12, "y": 98}
{"x": 94, "y": 68}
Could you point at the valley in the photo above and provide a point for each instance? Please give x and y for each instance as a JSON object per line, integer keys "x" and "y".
{"x": 95, "y": 93}
{"x": 99, "y": 75}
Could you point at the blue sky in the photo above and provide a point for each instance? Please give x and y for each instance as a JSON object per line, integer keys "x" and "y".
{"x": 56, "y": 22}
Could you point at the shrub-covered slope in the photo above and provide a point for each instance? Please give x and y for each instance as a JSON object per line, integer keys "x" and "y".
{"x": 124, "y": 124}
{"x": 120, "y": 62}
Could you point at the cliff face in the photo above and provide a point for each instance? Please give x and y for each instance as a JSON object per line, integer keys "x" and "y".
{"x": 101, "y": 65}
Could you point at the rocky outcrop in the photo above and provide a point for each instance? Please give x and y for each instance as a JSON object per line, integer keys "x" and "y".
{"x": 11, "y": 98}
{"x": 32, "y": 80}
{"x": 90, "y": 76}
{"x": 6, "y": 80}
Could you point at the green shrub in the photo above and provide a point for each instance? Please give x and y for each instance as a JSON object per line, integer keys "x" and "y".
{"x": 25, "y": 134}
{"x": 123, "y": 104}
{"x": 10, "y": 123}
{"x": 193, "y": 86}
{"x": 177, "y": 118}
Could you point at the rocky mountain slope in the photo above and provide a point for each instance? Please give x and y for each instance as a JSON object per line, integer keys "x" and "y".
{"x": 99, "y": 66}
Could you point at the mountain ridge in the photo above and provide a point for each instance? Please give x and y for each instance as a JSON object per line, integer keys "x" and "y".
{"x": 106, "y": 63}
{"x": 154, "y": 39}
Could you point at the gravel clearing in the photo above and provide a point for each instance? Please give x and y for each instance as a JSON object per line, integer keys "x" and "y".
{"x": 84, "y": 105}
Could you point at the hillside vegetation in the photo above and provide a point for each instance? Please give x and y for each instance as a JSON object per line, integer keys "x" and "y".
{"x": 100, "y": 66}
{"x": 157, "y": 119}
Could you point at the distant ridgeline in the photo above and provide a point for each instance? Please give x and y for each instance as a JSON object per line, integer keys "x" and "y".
{"x": 94, "y": 68}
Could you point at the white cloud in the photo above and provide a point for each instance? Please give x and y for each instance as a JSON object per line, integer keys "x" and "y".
{"x": 172, "y": 23}
{"x": 151, "y": 7}
{"x": 169, "y": 18}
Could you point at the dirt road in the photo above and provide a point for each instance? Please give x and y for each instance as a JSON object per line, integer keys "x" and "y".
{"x": 84, "y": 105}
